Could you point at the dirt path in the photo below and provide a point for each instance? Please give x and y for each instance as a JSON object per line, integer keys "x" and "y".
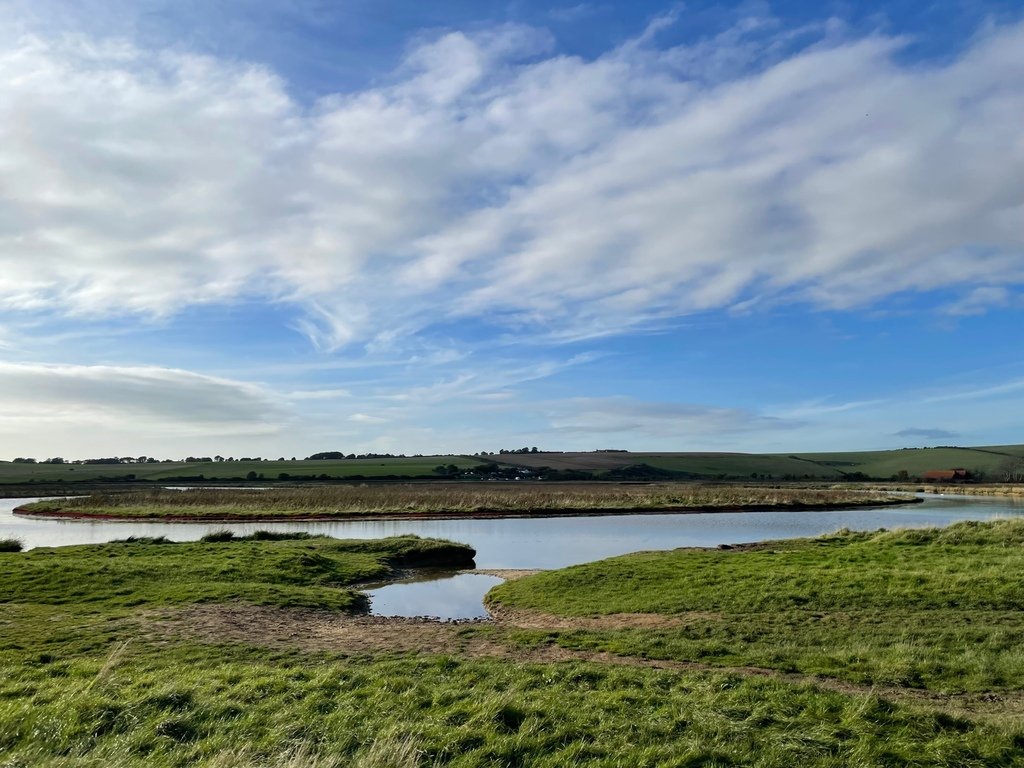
{"x": 314, "y": 630}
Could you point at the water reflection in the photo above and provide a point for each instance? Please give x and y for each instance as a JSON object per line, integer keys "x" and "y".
{"x": 438, "y": 594}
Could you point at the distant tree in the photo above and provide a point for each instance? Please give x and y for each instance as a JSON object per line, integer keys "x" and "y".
{"x": 251, "y": 475}
{"x": 1011, "y": 470}
{"x": 23, "y": 460}
{"x": 54, "y": 460}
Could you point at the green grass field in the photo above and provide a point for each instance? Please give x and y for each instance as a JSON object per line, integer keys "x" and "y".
{"x": 88, "y": 679}
{"x": 227, "y": 471}
{"x": 941, "y": 609}
{"x": 880, "y": 465}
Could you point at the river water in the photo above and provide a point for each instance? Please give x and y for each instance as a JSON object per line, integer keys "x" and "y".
{"x": 535, "y": 542}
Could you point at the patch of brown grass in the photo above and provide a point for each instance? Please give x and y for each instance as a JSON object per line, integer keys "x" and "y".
{"x": 452, "y": 498}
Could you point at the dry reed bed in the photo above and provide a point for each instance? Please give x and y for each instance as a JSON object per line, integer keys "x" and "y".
{"x": 451, "y": 498}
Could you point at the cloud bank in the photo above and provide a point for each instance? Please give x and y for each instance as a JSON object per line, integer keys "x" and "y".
{"x": 147, "y": 400}
{"x": 490, "y": 179}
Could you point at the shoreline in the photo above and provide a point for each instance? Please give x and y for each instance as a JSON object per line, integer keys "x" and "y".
{"x": 480, "y": 514}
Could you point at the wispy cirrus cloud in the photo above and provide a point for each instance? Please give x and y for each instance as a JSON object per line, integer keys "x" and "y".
{"x": 492, "y": 180}
{"x": 928, "y": 434}
{"x": 686, "y": 422}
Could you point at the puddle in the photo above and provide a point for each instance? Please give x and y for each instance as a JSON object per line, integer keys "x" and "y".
{"x": 438, "y": 594}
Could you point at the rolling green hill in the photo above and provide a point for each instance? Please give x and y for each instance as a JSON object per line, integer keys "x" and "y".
{"x": 984, "y": 461}
{"x": 228, "y": 470}
{"x": 879, "y": 465}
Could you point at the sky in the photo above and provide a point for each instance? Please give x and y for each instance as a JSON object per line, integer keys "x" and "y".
{"x": 276, "y": 228}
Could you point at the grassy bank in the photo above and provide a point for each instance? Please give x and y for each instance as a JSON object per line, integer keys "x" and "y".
{"x": 941, "y": 609}
{"x": 264, "y": 569}
{"x": 90, "y": 676}
{"x": 447, "y": 499}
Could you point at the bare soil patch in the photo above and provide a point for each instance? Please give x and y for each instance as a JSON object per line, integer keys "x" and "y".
{"x": 325, "y": 631}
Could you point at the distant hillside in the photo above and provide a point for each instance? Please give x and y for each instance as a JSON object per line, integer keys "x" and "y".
{"x": 986, "y": 461}
{"x": 230, "y": 471}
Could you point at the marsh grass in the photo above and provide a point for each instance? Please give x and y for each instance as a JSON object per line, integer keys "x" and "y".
{"x": 84, "y": 685}
{"x": 232, "y": 706}
{"x": 288, "y": 570}
{"x": 937, "y": 608}
{"x": 465, "y": 498}
{"x": 11, "y": 545}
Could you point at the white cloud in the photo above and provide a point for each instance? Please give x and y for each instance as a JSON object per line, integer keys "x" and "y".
{"x": 145, "y": 399}
{"x": 492, "y": 180}
{"x": 680, "y": 421}
{"x": 980, "y": 300}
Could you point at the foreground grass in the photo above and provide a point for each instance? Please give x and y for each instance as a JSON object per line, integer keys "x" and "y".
{"x": 87, "y": 681}
{"x": 511, "y": 498}
{"x": 941, "y": 608}
{"x": 232, "y": 706}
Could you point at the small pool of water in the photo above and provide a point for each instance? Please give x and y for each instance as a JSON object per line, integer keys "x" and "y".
{"x": 435, "y": 594}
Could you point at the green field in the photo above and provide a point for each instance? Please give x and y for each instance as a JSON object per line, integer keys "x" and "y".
{"x": 877, "y": 465}
{"x": 126, "y": 655}
{"x": 941, "y": 609}
{"x": 228, "y": 470}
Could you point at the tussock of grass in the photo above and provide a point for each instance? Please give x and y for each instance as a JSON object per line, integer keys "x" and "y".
{"x": 484, "y": 497}
{"x": 11, "y": 545}
{"x": 937, "y": 608}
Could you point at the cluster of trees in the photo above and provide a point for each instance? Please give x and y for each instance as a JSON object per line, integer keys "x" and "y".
{"x": 105, "y": 460}
{"x": 506, "y": 451}
{"x": 338, "y": 456}
{"x": 1012, "y": 470}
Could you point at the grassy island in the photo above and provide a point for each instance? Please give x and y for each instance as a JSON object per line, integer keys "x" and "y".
{"x": 450, "y": 500}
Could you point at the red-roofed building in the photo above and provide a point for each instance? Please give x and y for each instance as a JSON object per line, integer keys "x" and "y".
{"x": 945, "y": 476}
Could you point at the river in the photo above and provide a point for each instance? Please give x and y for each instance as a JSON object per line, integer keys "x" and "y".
{"x": 539, "y": 542}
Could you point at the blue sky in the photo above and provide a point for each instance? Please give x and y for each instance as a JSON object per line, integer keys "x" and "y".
{"x": 271, "y": 228}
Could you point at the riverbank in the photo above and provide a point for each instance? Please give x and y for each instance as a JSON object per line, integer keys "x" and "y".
{"x": 1008, "y": 490}
{"x": 454, "y": 501}
{"x": 928, "y": 609}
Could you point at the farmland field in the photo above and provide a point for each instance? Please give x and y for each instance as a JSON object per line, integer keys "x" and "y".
{"x": 228, "y": 470}
{"x": 881, "y": 465}
{"x": 876, "y": 465}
